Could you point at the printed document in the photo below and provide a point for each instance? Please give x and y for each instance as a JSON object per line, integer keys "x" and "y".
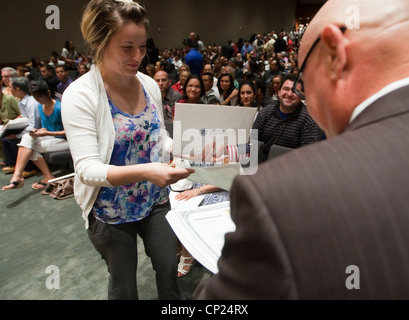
{"x": 202, "y": 230}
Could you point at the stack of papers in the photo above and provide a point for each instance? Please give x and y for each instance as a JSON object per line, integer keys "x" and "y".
{"x": 184, "y": 204}
{"x": 202, "y": 230}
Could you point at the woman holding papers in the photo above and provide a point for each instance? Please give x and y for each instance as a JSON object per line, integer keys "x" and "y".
{"x": 114, "y": 125}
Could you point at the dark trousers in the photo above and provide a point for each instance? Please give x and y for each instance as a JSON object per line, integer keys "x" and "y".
{"x": 10, "y": 153}
{"x": 117, "y": 245}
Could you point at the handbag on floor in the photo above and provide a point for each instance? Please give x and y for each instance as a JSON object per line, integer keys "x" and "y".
{"x": 60, "y": 189}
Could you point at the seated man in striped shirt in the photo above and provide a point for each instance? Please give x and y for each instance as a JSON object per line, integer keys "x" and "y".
{"x": 287, "y": 122}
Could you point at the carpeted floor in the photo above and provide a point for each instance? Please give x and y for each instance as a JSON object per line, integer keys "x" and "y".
{"x": 40, "y": 236}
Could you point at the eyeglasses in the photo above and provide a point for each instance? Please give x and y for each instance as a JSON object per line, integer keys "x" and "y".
{"x": 297, "y": 80}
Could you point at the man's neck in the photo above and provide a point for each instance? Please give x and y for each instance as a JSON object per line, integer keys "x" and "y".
{"x": 49, "y": 104}
{"x": 288, "y": 110}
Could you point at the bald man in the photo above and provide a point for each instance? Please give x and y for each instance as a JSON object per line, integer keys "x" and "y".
{"x": 331, "y": 220}
{"x": 169, "y": 95}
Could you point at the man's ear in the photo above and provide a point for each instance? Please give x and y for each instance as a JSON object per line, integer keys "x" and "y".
{"x": 335, "y": 54}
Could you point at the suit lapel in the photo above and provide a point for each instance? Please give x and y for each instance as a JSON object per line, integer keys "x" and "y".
{"x": 390, "y": 105}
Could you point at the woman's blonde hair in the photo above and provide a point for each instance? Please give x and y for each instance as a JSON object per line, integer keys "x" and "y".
{"x": 102, "y": 18}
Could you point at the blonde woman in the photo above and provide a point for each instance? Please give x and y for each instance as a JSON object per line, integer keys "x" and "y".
{"x": 114, "y": 123}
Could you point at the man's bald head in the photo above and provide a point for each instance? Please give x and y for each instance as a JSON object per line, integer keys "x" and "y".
{"x": 346, "y": 68}
{"x": 375, "y": 17}
{"x": 163, "y": 81}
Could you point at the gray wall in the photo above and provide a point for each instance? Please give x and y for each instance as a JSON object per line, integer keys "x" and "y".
{"x": 24, "y": 33}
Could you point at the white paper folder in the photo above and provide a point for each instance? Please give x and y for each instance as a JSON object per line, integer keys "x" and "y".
{"x": 196, "y": 125}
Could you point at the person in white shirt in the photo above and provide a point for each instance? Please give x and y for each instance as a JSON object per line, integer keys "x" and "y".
{"x": 20, "y": 87}
{"x": 114, "y": 125}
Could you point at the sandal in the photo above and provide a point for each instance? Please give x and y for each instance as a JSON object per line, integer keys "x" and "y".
{"x": 39, "y": 185}
{"x": 13, "y": 185}
{"x": 184, "y": 268}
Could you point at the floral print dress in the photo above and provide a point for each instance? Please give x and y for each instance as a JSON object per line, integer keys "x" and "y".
{"x": 136, "y": 142}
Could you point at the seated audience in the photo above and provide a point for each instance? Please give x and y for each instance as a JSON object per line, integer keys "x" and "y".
{"x": 50, "y": 137}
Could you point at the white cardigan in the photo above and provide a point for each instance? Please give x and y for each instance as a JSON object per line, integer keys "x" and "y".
{"x": 90, "y": 133}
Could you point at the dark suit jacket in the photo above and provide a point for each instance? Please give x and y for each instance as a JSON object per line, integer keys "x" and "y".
{"x": 308, "y": 215}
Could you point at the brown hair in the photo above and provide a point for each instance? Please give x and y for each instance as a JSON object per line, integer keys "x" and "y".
{"x": 102, "y": 18}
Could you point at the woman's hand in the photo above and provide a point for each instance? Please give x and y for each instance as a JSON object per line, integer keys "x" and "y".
{"x": 188, "y": 194}
{"x": 160, "y": 174}
{"x": 42, "y": 132}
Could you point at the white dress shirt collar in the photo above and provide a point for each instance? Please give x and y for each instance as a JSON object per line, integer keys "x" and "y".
{"x": 388, "y": 89}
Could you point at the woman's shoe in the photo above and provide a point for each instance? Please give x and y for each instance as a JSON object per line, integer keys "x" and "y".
{"x": 28, "y": 174}
{"x": 13, "y": 185}
{"x": 9, "y": 169}
{"x": 183, "y": 267}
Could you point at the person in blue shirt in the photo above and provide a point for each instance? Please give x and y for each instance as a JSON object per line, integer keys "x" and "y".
{"x": 245, "y": 50}
{"x": 50, "y": 137}
{"x": 193, "y": 58}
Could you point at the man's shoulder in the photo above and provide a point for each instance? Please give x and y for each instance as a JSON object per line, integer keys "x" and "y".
{"x": 9, "y": 99}
{"x": 31, "y": 101}
{"x": 173, "y": 94}
{"x": 304, "y": 114}
{"x": 270, "y": 108}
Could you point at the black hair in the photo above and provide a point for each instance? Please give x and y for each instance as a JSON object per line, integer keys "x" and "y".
{"x": 202, "y": 87}
{"x": 39, "y": 87}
